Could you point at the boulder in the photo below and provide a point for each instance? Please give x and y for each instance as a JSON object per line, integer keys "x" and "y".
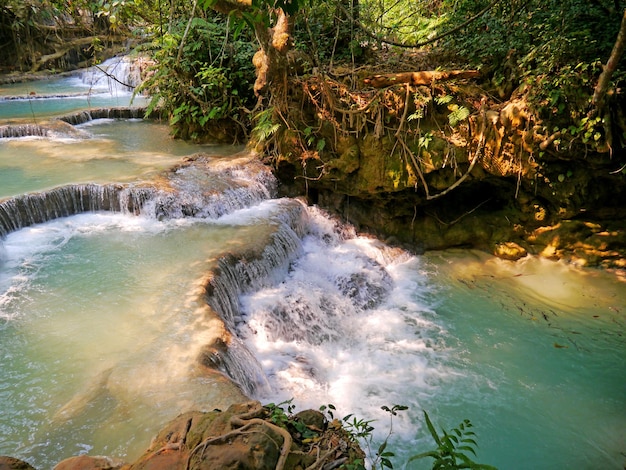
{"x": 86, "y": 462}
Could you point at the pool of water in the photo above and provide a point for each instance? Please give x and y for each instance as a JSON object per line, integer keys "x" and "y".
{"x": 110, "y": 151}
{"x": 101, "y": 321}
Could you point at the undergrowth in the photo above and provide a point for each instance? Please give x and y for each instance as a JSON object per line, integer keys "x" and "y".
{"x": 453, "y": 449}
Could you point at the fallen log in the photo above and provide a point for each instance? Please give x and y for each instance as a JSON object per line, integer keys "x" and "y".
{"x": 418, "y": 78}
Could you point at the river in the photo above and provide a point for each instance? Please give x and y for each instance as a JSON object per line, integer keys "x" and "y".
{"x": 100, "y": 322}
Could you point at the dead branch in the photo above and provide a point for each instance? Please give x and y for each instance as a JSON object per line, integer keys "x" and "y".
{"x": 479, "y": 149}
{"x": 67, "y": 46}
{"x": 418, "y": 78}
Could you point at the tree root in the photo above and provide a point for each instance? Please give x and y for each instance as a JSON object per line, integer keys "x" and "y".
{"x": 244, "y": 422}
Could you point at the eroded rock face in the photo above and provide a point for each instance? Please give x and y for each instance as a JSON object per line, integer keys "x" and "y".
{"x": 523, "y": 182}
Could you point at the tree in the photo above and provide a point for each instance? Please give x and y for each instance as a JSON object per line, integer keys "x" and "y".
{"x": 605, "y": 77}
{"x": 274, "y": 41}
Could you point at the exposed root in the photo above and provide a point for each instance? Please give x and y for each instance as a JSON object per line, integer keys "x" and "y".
{"x": 244, "y": 422}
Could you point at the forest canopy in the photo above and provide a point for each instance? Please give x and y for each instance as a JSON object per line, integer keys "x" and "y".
{"x": 205, "y": 48}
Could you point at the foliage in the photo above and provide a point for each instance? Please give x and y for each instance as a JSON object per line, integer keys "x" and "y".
{"x": 452, "y": 447}
{"x": 284, "y": 418}
{"x": 265, "y": 127}
{"x": 325, "y": 31}
{"x": 203, "y": 80}
{"x": 277, "y": 413}
{"x": 31, "y": 30}
{"x": 553, "y": 48}
{"x": 404, "y": 21}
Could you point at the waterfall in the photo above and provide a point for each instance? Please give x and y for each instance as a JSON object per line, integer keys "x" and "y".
{"x": 119, "y": 74}
{"x": 116, "y": 74}
{"x": 238, "y": 273}
{"x": 12, "y": 131}
{"x": 209, "y": 189}
{"x": 201, "y": 187}
{"x": 82, "y": 117}
{"x": 34, "y": 208}
{"x": 336, "y": 320}
{"x": 241, "y": 272}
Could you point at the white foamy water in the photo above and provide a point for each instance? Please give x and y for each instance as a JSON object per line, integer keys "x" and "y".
{"x": 118, "y": 75}
{"x": 347, "y": 327}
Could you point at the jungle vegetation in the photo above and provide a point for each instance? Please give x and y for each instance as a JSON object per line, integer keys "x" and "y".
{"x": 233, "y": 59}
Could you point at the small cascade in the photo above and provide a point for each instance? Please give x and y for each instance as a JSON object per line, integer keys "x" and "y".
{"x": 238, "y": 273}
{"x": 13, "y": 131}
{"x": 34, "y": 208}
{"x": 332, "y": 321}
{"x": 209, "y": 189}
{"x": 82, "y": 117}
{"x": 242, "y": 367}
{"x": 119, "y": 74}
{"x": 200, "y": 188}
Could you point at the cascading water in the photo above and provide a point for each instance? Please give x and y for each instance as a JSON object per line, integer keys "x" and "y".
{"x": 515, "y": 347}
{"x": 118, "y": 74}
{"x": 107, "y": 322}
{"x": 110, "y": 84}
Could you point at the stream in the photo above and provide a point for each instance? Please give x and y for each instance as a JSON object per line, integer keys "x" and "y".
{"x": 101, "y": 321}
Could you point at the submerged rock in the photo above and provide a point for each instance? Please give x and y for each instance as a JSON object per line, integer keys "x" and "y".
{"x": 510, "y": 251}
{"x": 10, "y": 463}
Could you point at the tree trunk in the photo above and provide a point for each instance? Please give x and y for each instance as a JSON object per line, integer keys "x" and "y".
{"x": 271, "y": 58}
{"x": 604, "y": 81}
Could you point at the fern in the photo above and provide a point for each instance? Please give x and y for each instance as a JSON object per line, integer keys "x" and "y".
{"x": 458, "y": 114}
{"x": 265, "y": 127}
{"x": 452, "y": 447}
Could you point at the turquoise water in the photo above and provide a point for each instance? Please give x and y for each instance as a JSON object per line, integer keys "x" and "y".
{"x": 99, "y": 327}
{"x": 101, "y": 321}
{"x": 111, "y": 151}
{"x": 539, "y": 355}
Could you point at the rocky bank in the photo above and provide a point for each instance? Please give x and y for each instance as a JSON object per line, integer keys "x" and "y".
{"x": 450, "y": 165}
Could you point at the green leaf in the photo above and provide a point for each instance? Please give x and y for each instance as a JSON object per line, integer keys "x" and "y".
{"x": 467, "y": 448}
{"x": 433, "y": 454}
{"x": 382, "y": 447}
{"x": 431, "y": 429}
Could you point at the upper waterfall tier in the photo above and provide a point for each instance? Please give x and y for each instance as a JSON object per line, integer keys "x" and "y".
{"x": 202, "y": 186}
